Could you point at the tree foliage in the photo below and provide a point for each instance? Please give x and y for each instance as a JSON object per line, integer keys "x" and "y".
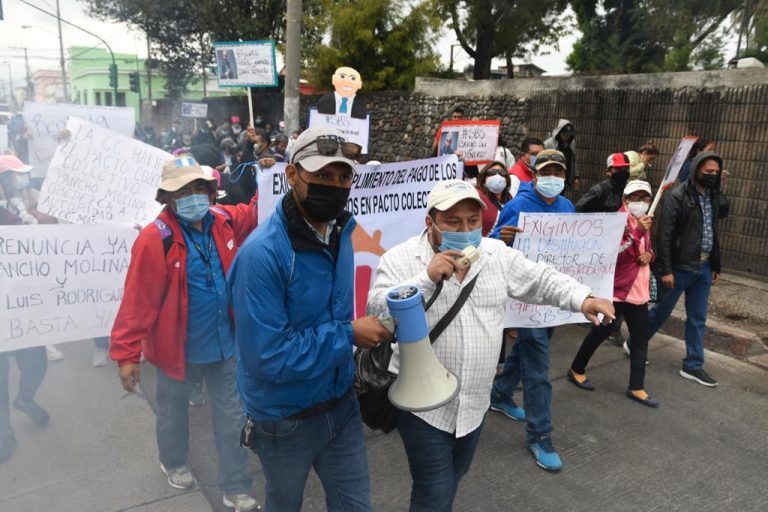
{"x": 182, "y": 33}
{"x": 641, "y": 36}
{"x": 491, "y": 28}
{"x": 388, "y": 48}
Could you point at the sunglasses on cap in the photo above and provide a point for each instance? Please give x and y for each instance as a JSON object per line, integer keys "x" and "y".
{"x": 552, "y": 157}
{"x": 329, "y": 145}
{"x": 495, "y": 171}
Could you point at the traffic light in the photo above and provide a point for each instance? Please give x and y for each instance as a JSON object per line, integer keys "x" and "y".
{"x": 133, "y": 79}
{"x": 113, "y": 75}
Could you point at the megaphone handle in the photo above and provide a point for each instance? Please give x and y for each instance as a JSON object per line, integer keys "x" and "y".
{"x": 388, "y": 322}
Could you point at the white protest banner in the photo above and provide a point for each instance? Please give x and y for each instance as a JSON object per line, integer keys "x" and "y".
{"x": 246, "y": 63}
{"x": 673, "y": 169}
{"x": 476, "y": 139}
{"x": 3, "y": 138}
{"x": 353, "y": 129}
{"x": 582, "y": 245}
{"x": 194, "y": 110}
{"x": 46, "y": 121}
{"x": 99, "y": 176}
{"x": 60, "y": 282}
{"x": 389, "y": 202}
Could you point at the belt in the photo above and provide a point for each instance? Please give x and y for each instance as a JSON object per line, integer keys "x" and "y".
{"x": 703, "y": 257}
{"x": 315, "y": 409}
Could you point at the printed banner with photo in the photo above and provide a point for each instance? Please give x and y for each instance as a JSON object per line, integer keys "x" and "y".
{"x": 246, "y": 64}
{"x": 582, "y": 245}
{"x": 99, "y": 176}
{"x": 61, "y": 283}
{"x": 476, "y": 139}
{"x": 353, "y": 129}
{"x": 194, "y": 110}
{"x": 44, "y": 123}
{"x": 389, "y": 202}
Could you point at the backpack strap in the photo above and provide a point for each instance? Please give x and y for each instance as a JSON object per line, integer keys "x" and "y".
{"x": 166, "y": 233}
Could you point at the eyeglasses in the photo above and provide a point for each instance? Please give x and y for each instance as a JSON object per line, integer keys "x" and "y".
{"x": 495, "y": 171}
{"x": 550, "y": 157}
{"x": 329, "y": 145}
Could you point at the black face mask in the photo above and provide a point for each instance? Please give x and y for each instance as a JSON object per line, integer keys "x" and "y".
{"x": 708, "y": 181}
{"x": 620, "y": 178}
{"x": 324, "y": 202}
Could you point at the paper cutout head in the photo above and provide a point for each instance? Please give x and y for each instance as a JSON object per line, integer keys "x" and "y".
{"x": 346, "y": 81}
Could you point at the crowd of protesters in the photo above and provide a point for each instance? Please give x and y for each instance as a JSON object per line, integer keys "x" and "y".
{"x": 279, "y": 380}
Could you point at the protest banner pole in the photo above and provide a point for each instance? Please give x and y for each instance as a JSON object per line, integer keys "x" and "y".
{"x": 250, "y": 106}
{"x": 655, "y": 201}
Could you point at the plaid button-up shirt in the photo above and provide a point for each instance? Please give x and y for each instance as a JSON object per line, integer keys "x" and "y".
{"x": 707, "y": 231}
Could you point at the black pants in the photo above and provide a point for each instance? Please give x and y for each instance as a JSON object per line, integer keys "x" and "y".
{"x": 33, "y": 364}
{"x": 637, "y": 321}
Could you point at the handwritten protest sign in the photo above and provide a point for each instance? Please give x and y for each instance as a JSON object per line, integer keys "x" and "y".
{"x": 99, "y": 176}
{"x": 194, "y": 110}
{"x": 353, "y": 129}
{"x": 46, "y": 121}
{"x": 389, "y": 203}
{"x": 582, "y": 245}
{"x": 246, "y": 64}
{"x": 476, "y": 139}
{"x": 673, "y": 169}
{"x": 60, "y": 283}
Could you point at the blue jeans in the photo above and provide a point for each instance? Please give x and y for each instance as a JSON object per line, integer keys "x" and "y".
{"x": 437, "y": 460}
{"x": 172, "y": 427}
{"x": 331, "y": 442}
{"x": 529, "y": 362}
{"x": 696, "y": 286}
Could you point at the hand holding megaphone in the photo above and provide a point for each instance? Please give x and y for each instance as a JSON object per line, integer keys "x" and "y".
{"x": 369, "y": 332}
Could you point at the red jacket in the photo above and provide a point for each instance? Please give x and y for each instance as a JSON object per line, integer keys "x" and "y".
{"x": 627, "y": 266}
{"x": 522, "y": 171}
{"x": 152, "y": 318}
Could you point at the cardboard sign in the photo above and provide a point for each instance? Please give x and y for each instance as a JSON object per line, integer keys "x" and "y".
{"x": 246, "y": 64}
{"x": 389, "y": 202}
{"x": 582, "y": 245}
{"x": 46, "y": 121}
{"x": 194, "y": 110}
{"x": 60, "y": 283}
{"x": 99, "y": 176}
{"x": 476, "y": 139}
{"x": 353, "y": 129}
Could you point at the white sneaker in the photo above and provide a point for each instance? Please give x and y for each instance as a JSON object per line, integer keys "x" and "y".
{"x": 241, "y": 502}
{"x": 626, "y": 350}
{"x": 179, "y": 478}
{"x": 99, "y": 357}
{"x": 53, "y": 353}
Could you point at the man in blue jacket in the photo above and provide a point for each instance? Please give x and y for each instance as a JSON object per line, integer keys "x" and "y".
{"x": 292, "y": 284}
{"x": 529, "y": 359}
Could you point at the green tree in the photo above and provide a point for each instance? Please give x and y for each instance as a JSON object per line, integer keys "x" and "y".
{"x": 389, "y": 49}
{"x": 491, "y": 28}
{"x": 182, "y": 33}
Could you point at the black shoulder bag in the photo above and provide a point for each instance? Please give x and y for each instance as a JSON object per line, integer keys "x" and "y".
{"x": 372, "y": 376}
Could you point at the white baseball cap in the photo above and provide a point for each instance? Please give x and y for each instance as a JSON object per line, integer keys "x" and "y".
{"x": 636, "y": 185}
{"x": 447, "y": 193}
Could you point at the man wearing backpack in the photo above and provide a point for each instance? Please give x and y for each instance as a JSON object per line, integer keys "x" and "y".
{"x": 176, "y": 312}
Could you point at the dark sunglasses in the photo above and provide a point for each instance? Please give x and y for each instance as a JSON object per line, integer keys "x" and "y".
{"x": 329, "y": 145}
{"x": 494, "y": 172}
{"x": 540, "y": 159}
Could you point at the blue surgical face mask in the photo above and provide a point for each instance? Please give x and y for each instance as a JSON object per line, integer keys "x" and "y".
{"x": 459, "y": 240}
{"x": 550, "y": 186}
{"x": 192, "y": 208}
{"x": 532, "y": 165}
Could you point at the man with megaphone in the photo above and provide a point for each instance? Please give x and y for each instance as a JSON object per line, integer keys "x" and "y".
{"x": 441, "y": 443}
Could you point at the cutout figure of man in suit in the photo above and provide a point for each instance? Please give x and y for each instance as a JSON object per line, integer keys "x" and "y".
{"x": 347, "y": 82}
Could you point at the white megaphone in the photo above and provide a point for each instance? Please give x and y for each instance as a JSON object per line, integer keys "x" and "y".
{"x": 423, "y": 383}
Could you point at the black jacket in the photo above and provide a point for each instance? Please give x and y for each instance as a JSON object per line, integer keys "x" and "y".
{"x": 678, "y": 245}
{"x": 603, "y": 197}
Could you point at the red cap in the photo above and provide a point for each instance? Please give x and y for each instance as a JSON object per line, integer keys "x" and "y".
{"x": 617, "y": 160}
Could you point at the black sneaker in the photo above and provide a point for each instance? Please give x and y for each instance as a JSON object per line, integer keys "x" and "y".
{"x": 699, "y": 376}
{"x": 7, "y": 445}
{"x": 37, "y": 414}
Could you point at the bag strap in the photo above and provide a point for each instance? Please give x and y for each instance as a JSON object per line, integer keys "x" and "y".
{"x": 438, "y": 329}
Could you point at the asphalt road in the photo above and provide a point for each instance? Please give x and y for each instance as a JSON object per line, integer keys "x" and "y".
{"x": 702, "y": 450}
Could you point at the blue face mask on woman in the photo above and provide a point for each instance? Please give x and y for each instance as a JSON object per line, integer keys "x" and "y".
{"x": 458, "y": 240}
{"x": 192, "y": 208}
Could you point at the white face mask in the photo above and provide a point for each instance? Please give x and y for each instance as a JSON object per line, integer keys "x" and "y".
{"x": 496, "y": 184}
{"x": 638, "y": 208}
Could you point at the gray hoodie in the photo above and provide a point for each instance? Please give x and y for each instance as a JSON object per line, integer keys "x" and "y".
{"x": 551, "y": 143}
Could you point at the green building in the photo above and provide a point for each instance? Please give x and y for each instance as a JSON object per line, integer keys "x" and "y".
{"x": 89, "y": 80}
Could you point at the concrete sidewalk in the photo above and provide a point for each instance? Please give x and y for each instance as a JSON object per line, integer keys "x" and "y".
{"x": 97, "y": 454}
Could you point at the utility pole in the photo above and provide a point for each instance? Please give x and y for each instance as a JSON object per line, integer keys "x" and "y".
{"x": 148, "y": 65}
{"x": 292, "y": 102}
{"x": 61, "y": 55}
{"x": 30, "y": 87}
{"x": 11, "y": 93}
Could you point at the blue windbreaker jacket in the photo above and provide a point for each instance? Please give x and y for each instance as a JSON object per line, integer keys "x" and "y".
{"x": 293, "y": 312}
